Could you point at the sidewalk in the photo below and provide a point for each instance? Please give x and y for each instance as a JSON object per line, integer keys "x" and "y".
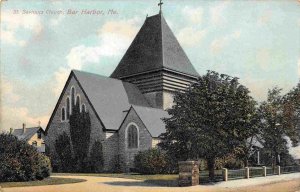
{"x": 258, "y": 180}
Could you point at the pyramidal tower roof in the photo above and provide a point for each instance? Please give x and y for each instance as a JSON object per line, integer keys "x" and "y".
{"x": 154, "y": 48}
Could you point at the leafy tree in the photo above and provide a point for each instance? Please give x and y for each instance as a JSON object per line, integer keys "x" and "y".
{"x": 291, "y": 114}
{"x": 272, "y": 129}
{"x": 80, "y": 130}
{"x": 211, "y": 120}
{"x": 96, "y": 157}
{"x": 64, "y": 151}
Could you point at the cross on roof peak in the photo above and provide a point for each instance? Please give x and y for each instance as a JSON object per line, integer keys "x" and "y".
{"x": 160, "y": 5}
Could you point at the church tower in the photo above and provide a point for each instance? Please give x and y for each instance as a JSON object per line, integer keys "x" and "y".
{"x": 156, "y": 63}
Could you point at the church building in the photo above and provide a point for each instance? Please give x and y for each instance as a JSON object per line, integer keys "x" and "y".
{"x": 126, "y": 109}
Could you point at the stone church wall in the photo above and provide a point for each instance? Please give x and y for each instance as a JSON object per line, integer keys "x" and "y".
{"x": 57, "y": 127}
{"x": 145, "y": 141}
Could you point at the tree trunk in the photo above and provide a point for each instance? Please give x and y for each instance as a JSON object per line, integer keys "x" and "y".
{"x": 211, "y": 168}
{"x": 246, "y": 162}
{"x": 273, "y": 163}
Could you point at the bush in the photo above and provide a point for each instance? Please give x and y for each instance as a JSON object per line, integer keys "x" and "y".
{"x": 65, "y": 161}
{"x": 20, "y": 161}
{"x": 96, "y": 158}
{"x": 153, "y": 161}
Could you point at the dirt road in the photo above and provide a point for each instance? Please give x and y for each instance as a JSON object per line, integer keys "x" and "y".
{"x": 284, "y": 183}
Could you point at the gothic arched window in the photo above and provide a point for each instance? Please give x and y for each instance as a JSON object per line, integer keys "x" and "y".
{"x": 63, "y": 114}
{"x": 83, "y": 109}
{"x": 78, "y": 100}
{"x": 72, "y": 98}
{"x": 68, "y": 108}
{"x": 132, "y": 137}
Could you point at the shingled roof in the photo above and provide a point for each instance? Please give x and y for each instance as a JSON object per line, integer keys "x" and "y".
{"x": 152, "y": 119}
{"x": 26, "y": 133}
{"x": 154, "y": 48}
{"x": 109, "y": 97}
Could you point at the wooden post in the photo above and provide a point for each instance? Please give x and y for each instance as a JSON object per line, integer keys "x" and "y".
{"x": 247, "y": 175}
{"x": 278, "y": 170}
{"x": 225, "y": 174}
{"x": 264, "y": 171}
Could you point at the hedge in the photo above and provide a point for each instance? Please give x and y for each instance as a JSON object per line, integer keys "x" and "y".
{"x": 154, "y": 161}
{"x": 20, "y": 161}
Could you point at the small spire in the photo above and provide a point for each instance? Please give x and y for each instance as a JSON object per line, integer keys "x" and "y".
{"x": 160, "y": 5}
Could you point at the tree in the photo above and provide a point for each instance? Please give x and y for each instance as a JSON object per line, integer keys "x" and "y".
{"x": 64, "y": 152}
{"x": 272, "y": 128}
{"x": 80, "y": 130}
{"x": 96, "y": 157}
{"x": 291, "y": 114}
{"x": 212, "y": 119}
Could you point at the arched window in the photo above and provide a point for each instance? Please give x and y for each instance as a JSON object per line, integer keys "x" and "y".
{"x": 72, "y": 98}
{"x": 63, "y": 114}
{"x": 83, "y": 109}
{"x": 68, "y": 108}
{"x": 132, "y": 137}
{"x": 78, "y": 100}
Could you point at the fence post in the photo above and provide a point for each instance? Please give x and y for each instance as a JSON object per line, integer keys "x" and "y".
{"x": 247, "y": 174}
{"x": 264, "y": 171}
{"x": 278, "y": 170}
{"x": 225, "y": 174}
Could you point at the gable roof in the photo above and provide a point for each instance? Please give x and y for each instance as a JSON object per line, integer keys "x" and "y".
{"x": 152, "y": 119}
{"x": 154, "y": 48}
{"x": 109, "y": 97}
{"x": 29, "y": 132}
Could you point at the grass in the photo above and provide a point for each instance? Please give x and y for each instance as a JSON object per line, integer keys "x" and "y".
{"x": 46, "y": 181}
{"x": 168, "y": 180}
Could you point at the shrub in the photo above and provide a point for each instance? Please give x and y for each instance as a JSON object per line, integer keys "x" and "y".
{"x": 152, "y": 161}
{"x": 20, "y": 161}
{"x": 230, "y": 162}
{"x": 65, "y": 161}
{"x": 96, "y": 157}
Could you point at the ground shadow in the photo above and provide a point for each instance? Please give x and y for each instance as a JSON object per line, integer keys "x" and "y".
{"x": 154, "y": 183}
{"x": 145, "y": 183}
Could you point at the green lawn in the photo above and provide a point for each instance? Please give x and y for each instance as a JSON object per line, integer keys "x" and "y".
{"x": 169, "y": 180}
{"x": 47, "y": 181}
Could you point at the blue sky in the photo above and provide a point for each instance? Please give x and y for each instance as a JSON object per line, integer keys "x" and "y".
{"x": 257, "y": 41}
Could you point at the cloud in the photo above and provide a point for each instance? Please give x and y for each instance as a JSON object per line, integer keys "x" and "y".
{"x": 263, "y": 57}
{"x": 12, "y": 113}
{"x": 257, "y": 87}
{"x": 13, "y": 117}
{"x": 114, "y": 38}
{"x": 9, "y": 37}
{"x": 57, "y": 20}
{"x": 12, "y": 23}
{"x": 7, "y": 91}
{"x": 218, "y": 44}
{"x": 190, "y": 36}
{"x": 60, "y": 77}
{"x": 193, "y": 15}
{"x": 217, "y": 13}
{"x": 265, "y": 17}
